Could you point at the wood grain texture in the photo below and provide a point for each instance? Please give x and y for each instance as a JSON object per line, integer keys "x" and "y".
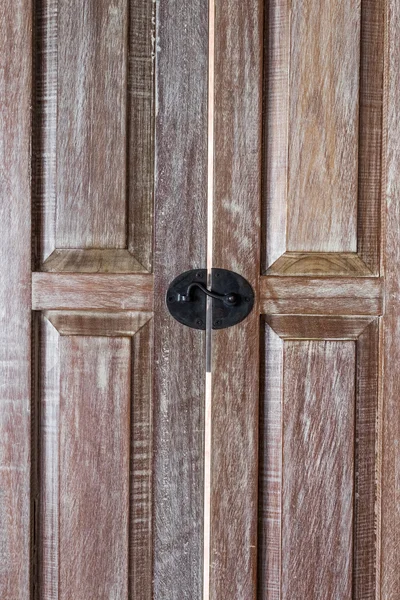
{"x": 236, "y": 246}
{"x": 15, "y": 330}
{"x": 316, "y": 327}
{"x": 330, "y": 296}
{"x": 282, "y": 388}
{"x": 323, "y": 126}
{"x": 320, "y": 263}
{"x": 52, "y": 291}
{"x": 180, "y": 244}
{"x": 269, "y": 542}
{"x": 390, "y": 573}
{"x": 95, "y": 449}
{"x": 92, "y": 168}
{"x": 370, "y": 133}
{"x": 104, "y": 324}
{"x": 91, "y": 140}
{"x": 317, "y": 494}
{"x": 92, "y": 260}
{"x": 323, "y": 88}
{"x": 140, "y": 117}
{"x": 94, "y": 475}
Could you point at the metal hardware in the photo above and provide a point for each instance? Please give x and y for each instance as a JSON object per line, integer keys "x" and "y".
{"x": 233, "y": 298}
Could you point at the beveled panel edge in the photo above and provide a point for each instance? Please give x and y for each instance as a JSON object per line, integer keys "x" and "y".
{"x": 318, "y": 327}
{"x": 104, "y": 324}
{"x": 320, "y": 264}
{"x": 92, "y": 260}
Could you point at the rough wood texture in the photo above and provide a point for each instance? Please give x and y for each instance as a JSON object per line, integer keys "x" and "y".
{"x": 282, "y": 387}
{"x": 93, "y": 158}
{"x": 323, "y": 92}
{"x": 15, "y": 350}
{"x": 95, "y": 449}
{"x": 320, "y": 263}
{"x": 391, "y": 323}
{"x": 180, "y": 244}
{"x": 235, "y": 366}
{"x": 94, "y": 443}
{"x": 105, "y": 324}
{"x": 52, "y": 291}
{"x": 92, "y": 261}
{"x": 317, "y": 494}
{"x": 330, "y": 296}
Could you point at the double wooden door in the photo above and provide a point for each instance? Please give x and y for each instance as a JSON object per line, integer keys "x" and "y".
{"x": 141, "y": 139}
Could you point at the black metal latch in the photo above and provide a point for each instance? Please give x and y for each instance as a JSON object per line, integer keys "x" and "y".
{"x": 233, "y": 298}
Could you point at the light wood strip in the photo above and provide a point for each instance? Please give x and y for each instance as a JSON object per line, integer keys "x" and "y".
{"x": 180, "y": 244}
{"x": 318, "y": 463}
{"x": 313, "y": 264}
{"x": 330, "y": 296}
{"x": 94, "y": 478}
{"x": 92, "y": 260}
{"x": 269, "y": 542}
{"x": 323, "y": 126}
{"x": 15, "y": 330}
{"x": 390, "y": 471}
{"x": 235, "y": 351}
{"x": 57, "y": 291}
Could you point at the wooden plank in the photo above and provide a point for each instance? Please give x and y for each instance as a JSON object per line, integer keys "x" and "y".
{"x": 15, "y": 331}
{"x": 235, "y": 362}
{"x": 94, "y": 454}
{"x": 390, "y": 471}
{"x": 330, "y": 296}
{"x": 313, "y": 264}
{"x": 180, "y": 244}
{"x": 91, "y": 132}
{"x": 140, "y": 120}
{"x": 92, "y": 260}
{"x": 52, "y": 291}
{"x": 318, "y": 442}
{"x": 323, "y": 126}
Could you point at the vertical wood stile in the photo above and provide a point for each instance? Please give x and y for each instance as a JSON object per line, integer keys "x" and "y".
{"x": 390, "y": 533}
{"x": 180, "y": 244}
{"x": 235, "y": 364}
{"x": 15, "y": 301}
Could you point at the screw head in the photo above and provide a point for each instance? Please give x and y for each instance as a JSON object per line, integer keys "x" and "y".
{"x": 199, "y": 322}
{"x": 231, "y": 299}
{"x": 199, "y": 275}
{"x": 217, "y": 322}
{"x": 171, "y": 298}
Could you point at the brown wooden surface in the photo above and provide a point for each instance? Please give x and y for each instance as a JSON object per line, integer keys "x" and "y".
{"x": 317, "y": 469}
{"x": 235, "y": 366}
{"x": 391, "y": 323}
{"x": 92, "y": 166}
{"x": 329, "y": 296}
{"x": 282, "y": 388}
{"x": 88, "y": 292}
{"x": 95, "y": 443}
{"x": 15, "y": 333}
{"x": 180, "y": 244}
{"x": 323, "y": 89}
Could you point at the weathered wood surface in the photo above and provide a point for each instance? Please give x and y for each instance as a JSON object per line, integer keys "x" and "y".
{"x": 52, "y": 291}
{"x": 310, "y": 327}
{"x": 15, "y": 330}
{"x": 318, "y": 469}
{"x": 390, "y": 471}
{"x": 323, "y": 90}
{"x": 235, "y": 363}
{"x": 330, "y": 296}
{"x": 104, "y": 324}
{"x": 180, "y": 244}
{"x": 92, "y": 167}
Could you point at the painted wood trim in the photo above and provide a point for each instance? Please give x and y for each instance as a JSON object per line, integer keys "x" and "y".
{"x": 59, "y": 291}
{"x": 16, "y": 513}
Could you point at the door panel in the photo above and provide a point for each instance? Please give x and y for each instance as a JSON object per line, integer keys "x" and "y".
{"x": 93, "y": 146}
{"x": 323, "y": 88}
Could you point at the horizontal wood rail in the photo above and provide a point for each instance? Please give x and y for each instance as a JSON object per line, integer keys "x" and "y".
{"x": 278, "y": 295}
{"x": 72, "y": 291}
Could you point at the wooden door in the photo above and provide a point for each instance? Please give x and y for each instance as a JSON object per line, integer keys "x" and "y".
{"x": 141, "y": 459}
